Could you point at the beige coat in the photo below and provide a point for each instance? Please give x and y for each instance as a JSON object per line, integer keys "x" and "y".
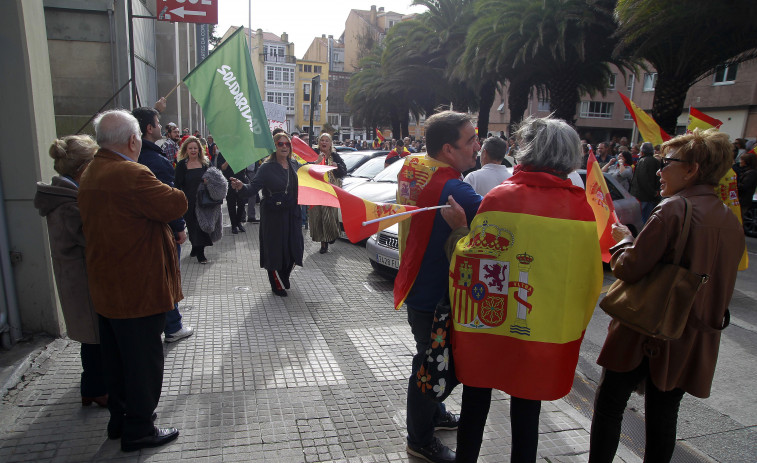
{"x": 131, "y": 250}
{"x": 714, "y": 247}
{"x": 57, "y": 203}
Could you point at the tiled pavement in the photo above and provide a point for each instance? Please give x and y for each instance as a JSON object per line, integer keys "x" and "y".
{"x": 318, "y": 376}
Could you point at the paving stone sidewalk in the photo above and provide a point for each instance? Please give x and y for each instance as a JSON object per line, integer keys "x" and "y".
{"x": 318, "y": 376}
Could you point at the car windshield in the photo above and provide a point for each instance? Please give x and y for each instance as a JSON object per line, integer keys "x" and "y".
{"x": 615, "y": 193}
{"x": 390, "y": 173}
{"x": 351, "y": 160}
{"x": 370, "y": 169}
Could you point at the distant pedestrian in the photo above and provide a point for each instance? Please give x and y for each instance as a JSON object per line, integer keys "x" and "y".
{"x": 324, "y": 220}
{"x": 492, "y": 172}
{"x": 57, "y": 202}
{"x": 235, "y": 203}
{"x": 620, "y": 169}
{"x": 397, "y": 153}
{"x": 645, "y": 184}
{"x": 747, "y": 180}
{"x": 191, "y": 166}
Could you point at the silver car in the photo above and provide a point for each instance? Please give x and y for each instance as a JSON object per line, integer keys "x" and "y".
{"x": 383, "y": 251}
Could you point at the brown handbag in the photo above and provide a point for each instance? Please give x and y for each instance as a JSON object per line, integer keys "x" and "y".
{"x": 659, "y": 304}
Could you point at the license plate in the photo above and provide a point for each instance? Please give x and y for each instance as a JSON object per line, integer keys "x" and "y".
{"x": 388, "y": 261}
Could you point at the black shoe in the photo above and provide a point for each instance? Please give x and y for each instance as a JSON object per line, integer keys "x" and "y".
{"x": 161, "y": 436}
{"x": 241, "y": 228}
{"x": 253, "y": 220}
{"x": 192, "y": 253}
{"x": 234, "y": 230}
{"x": 285, "y": 282}
{"x": 202, "y": 260}
{"x": 115, "y": 429}
{"x": 435, "y": 452}
{"x": 279, "y": 292}
{"x": 332, "y": 241}
{"x": 448, "y": 422}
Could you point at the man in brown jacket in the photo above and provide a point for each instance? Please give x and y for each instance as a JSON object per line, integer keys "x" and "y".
{"x": 133, "y": 275}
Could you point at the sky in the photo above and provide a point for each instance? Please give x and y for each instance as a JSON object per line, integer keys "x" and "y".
{"x": 303, "y": 20}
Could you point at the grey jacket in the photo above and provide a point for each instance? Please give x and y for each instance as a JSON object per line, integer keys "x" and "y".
{"x": 210, "y": 219}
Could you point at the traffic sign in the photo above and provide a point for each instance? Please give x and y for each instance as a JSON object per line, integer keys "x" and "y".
{"x": 188, "y": 11}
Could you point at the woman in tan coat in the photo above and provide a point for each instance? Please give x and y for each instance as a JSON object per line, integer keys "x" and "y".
{"x": 691, "y": 167}
{"x": 57, "y": 202}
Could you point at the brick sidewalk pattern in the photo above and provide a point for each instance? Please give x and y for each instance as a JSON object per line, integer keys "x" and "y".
{"x": 318, "y": 376}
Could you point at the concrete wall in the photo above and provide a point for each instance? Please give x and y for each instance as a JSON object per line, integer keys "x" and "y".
{"x": 28, "y": 116}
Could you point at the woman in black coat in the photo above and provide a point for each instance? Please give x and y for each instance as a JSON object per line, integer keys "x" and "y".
{"x": 747, "y": 180}
{"x": 191, "y": 166}
{"x": 281, "y": 242}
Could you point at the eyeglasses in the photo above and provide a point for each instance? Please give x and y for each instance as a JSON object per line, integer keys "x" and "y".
{"x": 283, "y": 143}
{"x": 666, "y": 162}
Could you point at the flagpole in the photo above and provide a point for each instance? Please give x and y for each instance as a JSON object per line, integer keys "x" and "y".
{"x": 173, "y": 89}
{"x": 423, "y": 209}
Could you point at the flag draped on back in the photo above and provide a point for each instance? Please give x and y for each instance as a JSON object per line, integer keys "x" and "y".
{"x": 698, "y": 119}
{"x": 600, "y": 201}
{"x": 225, "y": 88}
{"x": 314, "y": 190}
{"x": 648, "y": 128}
{"x": 523, "y": 286}
{"x": 421, "y": 181}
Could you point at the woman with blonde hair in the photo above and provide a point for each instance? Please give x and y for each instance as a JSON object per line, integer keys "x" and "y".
{"x": 324, "y": 220}
{"x": 57, "y": 202}
{"x": 191, "y": 165}
{"x": 692, "y": 165}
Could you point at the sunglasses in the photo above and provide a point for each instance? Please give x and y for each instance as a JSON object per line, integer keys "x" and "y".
{"x": 283, "y": 143}
{"x": 666, "y": 162}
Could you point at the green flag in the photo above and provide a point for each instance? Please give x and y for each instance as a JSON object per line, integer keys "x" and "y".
{"x": 225, "y": 88}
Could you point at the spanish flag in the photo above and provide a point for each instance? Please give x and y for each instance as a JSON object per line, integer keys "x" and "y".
{"x": 728, "y": 192}
{"x": 648, "y": 128}
{"x": 600, "y": 201}
{"x": 302, "y": 150}
{"x": 698, "y": 119}
{"x": 523, "y": 286}
{"x": 380, "y": 136}
{"x": 314, "y": 190}
{"x": 421, "y": 181}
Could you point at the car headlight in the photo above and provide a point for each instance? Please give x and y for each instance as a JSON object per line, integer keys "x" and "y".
{"x": 374, "y": 237}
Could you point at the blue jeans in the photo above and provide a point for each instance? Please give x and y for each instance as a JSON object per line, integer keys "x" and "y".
{"x": 422, "y": 413}
{"x": 173, "y": 318}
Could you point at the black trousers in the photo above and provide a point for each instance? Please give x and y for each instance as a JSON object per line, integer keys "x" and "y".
{"x": 236, "y": 208}
{"x": 524, "y": 425}
{"x": 660, "y": 415}
{"x": 93, "y": 374}
{"x": 279, "y": 279}
{"x": 133, "y": 356}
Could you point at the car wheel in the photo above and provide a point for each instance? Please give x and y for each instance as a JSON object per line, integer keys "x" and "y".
{"x": 750, "y": 221}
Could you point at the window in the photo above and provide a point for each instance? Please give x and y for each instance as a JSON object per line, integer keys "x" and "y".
{"x": 345, "y": 120}
{"x": 308, "y": 68}
{"x": 279, "y": 75}
{"x": 282, "y": 98}
{"x": 317, "y": 69}
{"x": 306, "y": 112}
{"x": 650, "y": 81}
{"x": 596, "y": 110}
{"x": 725, "y": 74}
{"x": 543, "y": 105}
{"x": 305, "y": 92}
{"x": 629, "y": 83}
{"x": 299, "y": 66}
{"x": 627, "y": 115}
{"x": 611, "y": 81}
{"x": 334, "y": 120}
{"x": 269, "y": 73}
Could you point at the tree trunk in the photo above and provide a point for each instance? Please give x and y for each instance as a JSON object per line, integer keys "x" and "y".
{"x": 517, "y": 101}
{"x": 395, "y": 120}
{"x": 563, "y": 95}
{"x": 669, "y": 96}
{"x": 405, "y": 124}
{"x": 486, "y": 94}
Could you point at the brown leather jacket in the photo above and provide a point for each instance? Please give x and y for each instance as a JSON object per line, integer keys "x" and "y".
{"x": 714, "y": 247}
{"x": 131, "y": 250}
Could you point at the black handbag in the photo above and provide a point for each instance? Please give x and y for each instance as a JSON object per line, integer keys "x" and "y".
{"x": 278, "y": 200}
{"x": 205, "y": 200}
{"x": 436, "y": 376}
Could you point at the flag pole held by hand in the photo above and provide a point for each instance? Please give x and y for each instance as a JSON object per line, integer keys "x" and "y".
{"x": 405, "y": 213}
{"x": 173, "y": 89}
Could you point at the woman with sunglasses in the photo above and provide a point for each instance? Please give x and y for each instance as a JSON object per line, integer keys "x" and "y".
{"x": 692, "y": 165}
{"x": 324, "y": 220}
{"x": 281, "y": 242}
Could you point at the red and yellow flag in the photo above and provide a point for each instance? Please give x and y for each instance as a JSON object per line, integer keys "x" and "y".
{"x": 523, "y": 286}
{"x": 728, "y": 192}
{"x": 421, "y": 181}
{"x": 648, "y": 128}
{"x": 314, "y": 190}
{"x": 380, "y": 136}
{"x": 302, "y": 150}
{"x": 600, "y": 201}
{"x": 700, "y": 120}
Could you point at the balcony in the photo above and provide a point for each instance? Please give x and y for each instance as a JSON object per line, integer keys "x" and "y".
{"x": 287, "y": 59}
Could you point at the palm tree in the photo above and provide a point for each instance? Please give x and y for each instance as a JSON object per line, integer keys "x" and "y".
{"x": 685, "y": 41}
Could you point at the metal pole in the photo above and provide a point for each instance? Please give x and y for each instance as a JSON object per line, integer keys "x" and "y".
{"x": 130, "y": 19}
{"x": 249, "y": 28}
{"x": 189, "y": 68}
{"x": 178, "y": 78}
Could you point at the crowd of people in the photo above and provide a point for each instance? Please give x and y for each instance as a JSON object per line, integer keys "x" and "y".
{"x": 123, "y": 186}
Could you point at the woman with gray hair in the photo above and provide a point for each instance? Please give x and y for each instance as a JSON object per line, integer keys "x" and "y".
{"x": 520, "y": 299}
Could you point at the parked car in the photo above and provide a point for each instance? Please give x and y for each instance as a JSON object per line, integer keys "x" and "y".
{"x": 383, "y": 251}
{"x": 355, "y": 159}
{"x": 627, "y": 207}
{"x": 365, "y": 172}
{"x": 344, "y": 149}
{"x": 380, "y": 189}
{"x": 750, "y": 219}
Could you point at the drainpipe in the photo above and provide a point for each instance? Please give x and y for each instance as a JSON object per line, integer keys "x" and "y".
{"x": 10, "y": 320}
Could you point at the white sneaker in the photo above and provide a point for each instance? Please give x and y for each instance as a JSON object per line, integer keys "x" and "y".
{"x": 184, "y": 332}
